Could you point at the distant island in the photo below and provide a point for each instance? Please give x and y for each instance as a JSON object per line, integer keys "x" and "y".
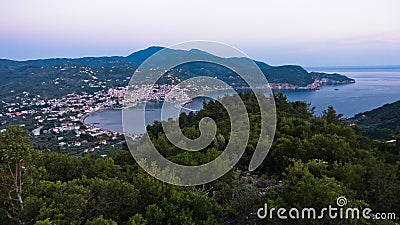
{"x": 61, "y": 76}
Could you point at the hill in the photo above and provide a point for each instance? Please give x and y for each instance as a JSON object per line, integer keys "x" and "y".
{"x": 380, "y": 123}
{"x": 61, "y": 76}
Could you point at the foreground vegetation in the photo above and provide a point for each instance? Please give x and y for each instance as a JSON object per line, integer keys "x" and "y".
{"x": 317, "y": 160}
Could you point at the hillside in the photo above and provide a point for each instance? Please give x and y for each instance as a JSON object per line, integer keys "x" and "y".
{"x": 312, "y": 162}
{"x": 58, "y": 77}
{"x": 381, "y": 123}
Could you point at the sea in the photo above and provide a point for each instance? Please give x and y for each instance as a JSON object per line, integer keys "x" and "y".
{"x": 373, "y": 88}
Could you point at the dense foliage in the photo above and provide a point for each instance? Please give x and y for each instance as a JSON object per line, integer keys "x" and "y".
{"x": 317, "y": 159}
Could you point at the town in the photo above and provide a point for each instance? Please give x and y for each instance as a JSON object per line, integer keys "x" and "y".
{"x": 58, "y": 124}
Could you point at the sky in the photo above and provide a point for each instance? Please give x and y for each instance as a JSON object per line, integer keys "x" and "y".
{"x": 303, "y": 32}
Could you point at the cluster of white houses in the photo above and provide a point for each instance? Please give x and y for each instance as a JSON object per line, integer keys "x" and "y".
{"x": 62, "y": 116}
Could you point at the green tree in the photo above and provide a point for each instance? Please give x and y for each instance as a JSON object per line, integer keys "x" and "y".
{"x": 331, "y": 116}
{"x": 238, "y": 198}
{"x": 137, "y": 219}
{"x": 101, "y": 221}
{"x": 16, "y": 156}
{"x": 44, "y": 222}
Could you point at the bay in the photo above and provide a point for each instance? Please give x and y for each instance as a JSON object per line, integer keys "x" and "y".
{"x": 371, "y": 90}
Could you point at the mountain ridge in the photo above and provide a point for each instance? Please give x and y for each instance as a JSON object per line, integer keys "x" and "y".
{"x": 112, "y": 71}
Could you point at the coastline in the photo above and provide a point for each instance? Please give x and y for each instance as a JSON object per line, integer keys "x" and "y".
{"x": 84, "y": 117}
{"x": 275, "y": 87}
{"x": 179, "y": 105}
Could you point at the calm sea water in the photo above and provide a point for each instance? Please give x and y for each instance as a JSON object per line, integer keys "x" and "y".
{"x": 371, "y": 90}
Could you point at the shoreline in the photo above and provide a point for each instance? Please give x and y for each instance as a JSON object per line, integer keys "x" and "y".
{"x": 274, "y": 90}
{"x": 84, "y": 117}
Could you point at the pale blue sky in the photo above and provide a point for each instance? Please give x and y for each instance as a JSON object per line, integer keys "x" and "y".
{"x": 305, "y": 32}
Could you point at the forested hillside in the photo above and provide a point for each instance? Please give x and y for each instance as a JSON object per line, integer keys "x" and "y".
{"x": 51, "y": 78}
{"x": 312, "y": 162}
{"x": 382, "y": 123}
